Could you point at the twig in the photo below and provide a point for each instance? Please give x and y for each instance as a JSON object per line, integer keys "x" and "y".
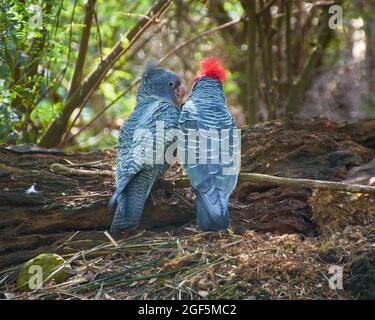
{"x": 306, "y": 183}
{"x": 57, "y": 167}
{"x": 99, "y": 36}
{"x": 198, "y": 36}
{"x": 81, "y": 58}
{"x": 54, "y": 38}
{"x": 110, "y": 238}
{"x": 83, "y": 164}
{"x": 99, "y": 114}
{"x": 129, "y": 14}
{"x": 292, "y": 182}
{"x": 243, "y": 177}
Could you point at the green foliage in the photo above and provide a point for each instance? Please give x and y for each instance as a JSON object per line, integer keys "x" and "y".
{"x": 45, "y": 112}
{"x": 25, "y": 50}
{"x": 9, "y": 120}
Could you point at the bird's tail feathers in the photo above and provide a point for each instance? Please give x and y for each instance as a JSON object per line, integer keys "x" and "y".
{"x": 119, "y": 214}
{"x": 212, "y": 210}
{"x": 119, "y": 190}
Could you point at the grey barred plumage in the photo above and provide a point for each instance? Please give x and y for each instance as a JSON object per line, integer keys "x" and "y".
{"x": 156, "y": 102}
{"x": 204, "y": 110}
{"x": 208, "y": 104}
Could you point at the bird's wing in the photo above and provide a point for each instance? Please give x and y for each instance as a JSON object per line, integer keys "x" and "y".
{"x": 218, "y": 167}
{"x": 136, "y": 146}
{"x": 166, "y": 117}
{"x": 136, "y": 143}
{"x": 136, "y": 167}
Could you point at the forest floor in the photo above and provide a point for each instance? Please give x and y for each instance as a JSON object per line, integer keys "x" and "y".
{"x": 188, "y": 264}
{"x": 282, "y": 244}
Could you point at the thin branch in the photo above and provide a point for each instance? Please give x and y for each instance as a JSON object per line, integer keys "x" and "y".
{"x": 243, "y": 177}
{"x": 58, "y": 79}
{"x": 138, "y": 79}
{"x": 55, "y": 131}
{"x": 57, "y": 167}
{"x": 99, "y": 36}
{"x": 198, "y": 36}
{"x": 100, "y": 113}
{"x": 129, "y": 14}
{"x": 83, "y": 47}
{"x": 57, "y": 21}
{"x": 306, "y": 183}
{"x": 81, "y": 59}
{"x": 58, "y": 17}
{"x": 292, "y": 182}
{"x": 140, "y": 45}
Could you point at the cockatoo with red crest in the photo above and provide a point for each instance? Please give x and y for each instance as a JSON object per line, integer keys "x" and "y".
{"x": 210, "y": 147}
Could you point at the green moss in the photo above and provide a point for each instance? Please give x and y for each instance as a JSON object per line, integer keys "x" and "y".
{"x": 48, "y": 263}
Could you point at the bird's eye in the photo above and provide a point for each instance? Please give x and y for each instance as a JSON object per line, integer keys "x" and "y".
{"x": 171, "y": 84}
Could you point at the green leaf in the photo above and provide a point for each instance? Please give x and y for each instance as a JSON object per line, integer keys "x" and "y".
{"x": 108, "y": 90}
{"x": 45, "y": 112}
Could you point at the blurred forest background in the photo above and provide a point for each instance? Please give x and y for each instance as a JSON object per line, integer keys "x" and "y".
{"x": 69, "y": 69}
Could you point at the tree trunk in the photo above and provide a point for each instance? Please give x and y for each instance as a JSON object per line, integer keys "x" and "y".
{"x": 370, "y": 51}
{"x": 288, "y": 42}
{"x": 85, "y": 36}
{"x": 298, "y": 89}
{"x": 250, "y": 9}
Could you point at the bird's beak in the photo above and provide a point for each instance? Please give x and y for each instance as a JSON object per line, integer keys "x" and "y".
{"x": 180, "y": 92}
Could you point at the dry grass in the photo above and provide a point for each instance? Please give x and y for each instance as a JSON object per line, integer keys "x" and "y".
{"x": 193, "y": 265}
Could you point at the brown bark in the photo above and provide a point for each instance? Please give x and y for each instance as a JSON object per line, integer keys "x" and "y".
{"x": 74, "y": 188}
{"x": 251, "y": 29}
{"x": 67, "y": 201}
{"x": 85, "y": 36}
{"x": 288, "y": 43}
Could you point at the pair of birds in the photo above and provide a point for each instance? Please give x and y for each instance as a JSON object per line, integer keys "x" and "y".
{"x": 213, "y": 178}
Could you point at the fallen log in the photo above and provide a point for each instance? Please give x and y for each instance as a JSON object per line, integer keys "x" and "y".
{"x": 244, "y": 177}
{"x": 72, "y": 189}
{"x": 65, "y": 199}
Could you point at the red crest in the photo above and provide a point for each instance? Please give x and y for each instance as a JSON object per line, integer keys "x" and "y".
{"x": 212, "y": 68}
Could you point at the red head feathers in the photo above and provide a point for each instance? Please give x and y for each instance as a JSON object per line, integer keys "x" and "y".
{"x": 212, "y": 68}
